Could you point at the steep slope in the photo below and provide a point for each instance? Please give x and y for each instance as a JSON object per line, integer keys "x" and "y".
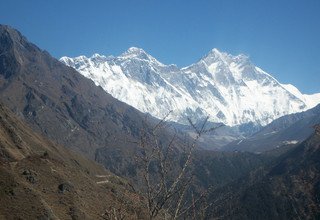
{"x": 287, "y": 130}
{"x": 230, "y": 89}
{"x": 289, "y": 189}
{"x": 59, "y": 102}
{"x": 42, "y": 180}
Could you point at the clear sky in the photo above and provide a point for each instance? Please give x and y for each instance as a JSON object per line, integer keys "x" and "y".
{"x": 280, "y": 36}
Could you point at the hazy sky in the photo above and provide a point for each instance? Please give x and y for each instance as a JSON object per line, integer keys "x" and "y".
{"x": 280, "y": 36}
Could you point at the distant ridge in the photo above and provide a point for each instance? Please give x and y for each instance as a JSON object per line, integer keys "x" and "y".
{"x": 287, "y": 130}
{"x": 289, "y": 188}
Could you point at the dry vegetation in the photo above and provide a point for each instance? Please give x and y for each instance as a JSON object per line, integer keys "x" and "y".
{"x": 41, "y": 180}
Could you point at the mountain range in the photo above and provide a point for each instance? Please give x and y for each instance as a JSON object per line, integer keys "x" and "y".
{"x": 57, "y": 125}
{"x": 229, "y": 89}
{"x": 59, "y": 104}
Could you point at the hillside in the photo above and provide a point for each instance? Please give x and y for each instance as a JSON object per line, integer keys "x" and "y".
{"x": 42, "y": 180}
{"x": 287, "y": 189}
{"x": 61, "y": 104}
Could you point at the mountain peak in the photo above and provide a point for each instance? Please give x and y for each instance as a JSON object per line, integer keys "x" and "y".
{"x": 12, "y": 43}
{"x": 228, "y": 88}
{"x": 135, "y": 52}
{"x": 6, "y": 28}
{"x": 216, "y": 55}
{"x": 140, "y": 54}
{"x": 96, "y": 55}
{"x": 7, "y": 32}
{"x": 215, "y": 51}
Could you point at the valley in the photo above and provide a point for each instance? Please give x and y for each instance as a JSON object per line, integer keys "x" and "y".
{"x": 85, "y": 138}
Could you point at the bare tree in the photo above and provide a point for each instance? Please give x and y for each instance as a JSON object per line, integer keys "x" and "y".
{"x": 166, "y": 171}
{"x": 114, "y": 214}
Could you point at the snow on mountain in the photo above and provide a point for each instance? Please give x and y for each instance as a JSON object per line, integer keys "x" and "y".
{"x": 227, "y": 88}
{"x": 310, "y": 100}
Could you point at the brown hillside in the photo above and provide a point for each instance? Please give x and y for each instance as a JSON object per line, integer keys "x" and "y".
{"x": 41, "y": 180}
{"x": 59, "y": 102}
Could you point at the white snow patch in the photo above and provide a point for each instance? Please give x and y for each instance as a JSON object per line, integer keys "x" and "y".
{"x": 290, "y": 142}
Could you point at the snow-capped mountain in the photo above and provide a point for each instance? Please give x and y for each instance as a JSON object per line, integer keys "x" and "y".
{"x": 228, "y": 89}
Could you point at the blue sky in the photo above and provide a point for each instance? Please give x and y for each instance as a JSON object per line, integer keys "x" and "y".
{"x": 280, "y": 36}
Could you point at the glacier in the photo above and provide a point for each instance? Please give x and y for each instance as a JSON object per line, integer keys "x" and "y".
{"x": 228, "y": 89}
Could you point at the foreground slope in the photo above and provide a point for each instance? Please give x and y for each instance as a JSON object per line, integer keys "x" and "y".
{"x": 230, "y": 89}
{"x": 42, "y": 180}
{"x": 288, "y": 189}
